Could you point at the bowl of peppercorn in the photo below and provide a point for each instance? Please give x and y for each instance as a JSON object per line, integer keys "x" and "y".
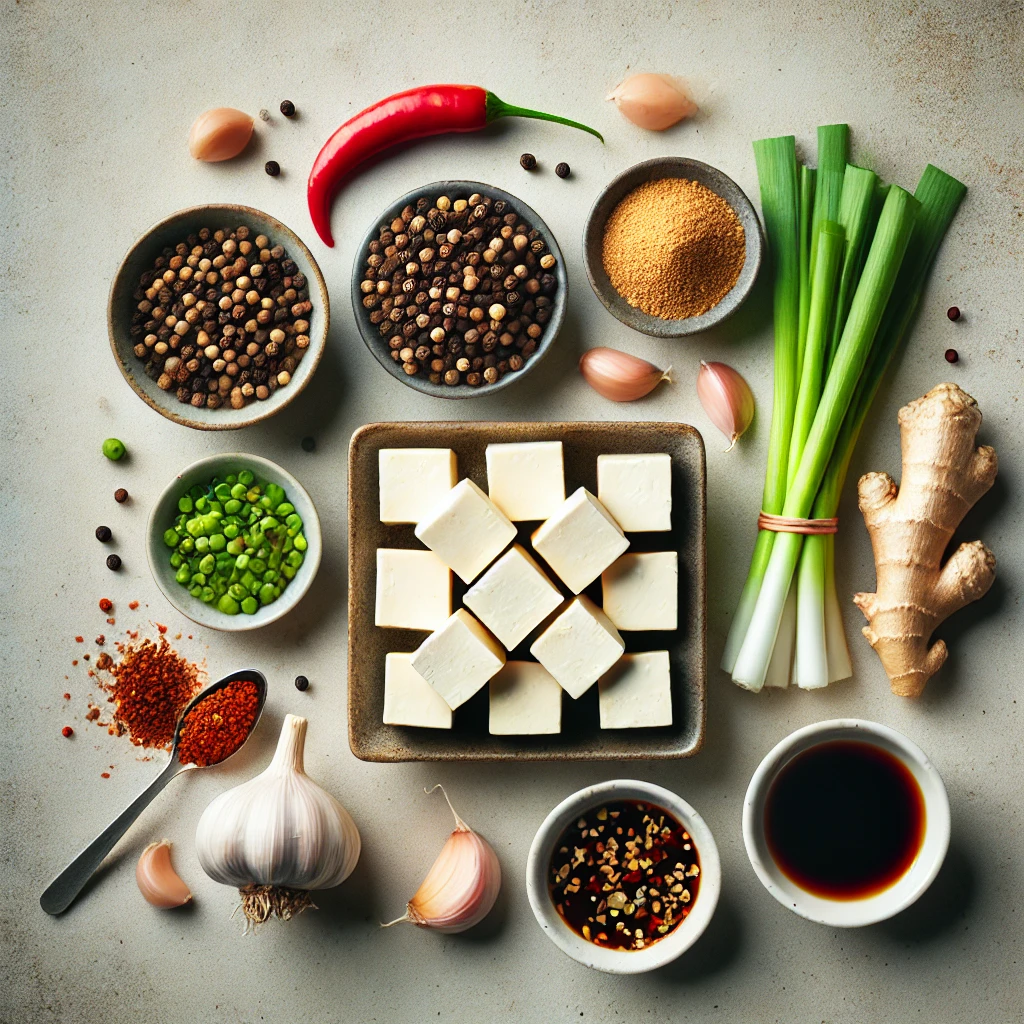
{"x": 459, "y": 289}
{"x": 218, "y": 316}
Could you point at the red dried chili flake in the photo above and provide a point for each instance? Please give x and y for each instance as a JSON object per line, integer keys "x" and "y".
{"x": 162, "y": 628}
{"x": 67, "y": 731}
{"x": 92, "y": 714}
{"x": 79, "y": 639}
{"x": 219, "y": 724}
{"x": 106, "y": 605}
{"x": 104, "y": 775}
{"x": 111, "y": 621}
{"x": 74, "y": 661}
{"x": 100, "y": 640}
{"x": 67, "y": 696}
{"x": 133, "y": 605}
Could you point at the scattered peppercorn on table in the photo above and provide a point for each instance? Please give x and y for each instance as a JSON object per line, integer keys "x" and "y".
{"x": 98, "y": 112}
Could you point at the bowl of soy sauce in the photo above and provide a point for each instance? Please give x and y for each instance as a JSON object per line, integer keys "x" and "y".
{"x": 846, "y": 822}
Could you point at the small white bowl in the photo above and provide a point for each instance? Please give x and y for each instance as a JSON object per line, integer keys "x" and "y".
{"x": 615, "y": 961}
{"x": 887, "y": 903}
{"x": 166, "y": 509}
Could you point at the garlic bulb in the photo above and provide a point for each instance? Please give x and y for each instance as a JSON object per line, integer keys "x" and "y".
{"x": 727, "y": 399}
{"x": 620, "y": 376}
{"x": 219, "y": 134}
{"x": 461, "y": 886}
{"x": 655, "y": 102}
{"x": 157, "y": 879}
{"x": 278, "y": 836}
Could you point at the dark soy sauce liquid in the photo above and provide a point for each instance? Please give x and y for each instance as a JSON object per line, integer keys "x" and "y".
{"x": 844, "y": 819}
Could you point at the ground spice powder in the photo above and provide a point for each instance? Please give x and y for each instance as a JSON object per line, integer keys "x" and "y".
{"x": 673, "y": 248}
{"x": 219, "y": 724}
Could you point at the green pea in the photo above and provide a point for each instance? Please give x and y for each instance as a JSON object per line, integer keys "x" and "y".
{"x": 267, "y": 594}
{"x": 200, "y": 577}
{"x": 220, "y": 585}
{"x": 176, "y": 560}
{"x": 187, "y": 546}
{"x": 268, "y": 523}
{"x": 300, "y": 542}
{"x": 288, "y": 571}
{"x": 208, "y": 595}
{"x": 238, "y": 492}
{"x": 236, "y": 546}
{"x": 271, "y": 576}
{"x": 202, "y": 545}
{"x": 202, "y": 503}
{"x": 231, "y": 531}
{"x": 183, "y": 575}
{"x": 252, "y": 495}
{"x": 255, "y": 587}
{"x": 274, "y": 561}
{"x": 293, "y": 521}
{"x": 194, "y": 527}
{"x": 258, "y": 566}
{"x": 246, "y": 477}
{"x": 286, "y": 508}
{"x": 223, "y": 491}
{"x": 216, "y": 506}
{"x": 237, "y": 591}
{"x": 113, "y": 449}
{"x": 228, "y": 605}
{"x": 265, "y": 550}
{"x": 208, "y": 564}
{"x": 171, "y": 538}
{"x": 231, "y": 478}
{"x": 232, "y": 507}
{"x": 250, "y": 606}
{"x": 218, "y": 542}
{"x": 242, "y": 562}
{"x": 246, "y": 579}
{"x": 289, "y": 543}
{"x": 295, "y": 559}
{"x": 195, "y": 590}
{"x": 185, "y": 503}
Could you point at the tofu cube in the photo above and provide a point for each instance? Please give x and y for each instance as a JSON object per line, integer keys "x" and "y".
{"x": 458, "y": 658}
{"x": 414, "y": 589}
{"x": 409, "y": 699}
{"x": 525, "y": 701}
{"x": 637, "y": 692}
{"x": 513, "y": 597}
{"x": 641, "y": 591}
{"x": 467, "y": 531}
{"x": 526, "y": 481}
{"x": 637, "y": 490}
{"x": 580, "y": 540}
{"x": 579, "y": 646}
{"x": 413, "y": 481}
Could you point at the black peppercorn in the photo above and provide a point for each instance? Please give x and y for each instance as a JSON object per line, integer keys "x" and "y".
{"x": 301, "y": 683}
{"x": 272, "y": 167}
{"x": 103, "y": 533}
{"x": 562, "y": 170}
{"x": 287, "y": 108}
{"x": 114, "y": 562}
{"x": 120, "y": 495}
{"x": 308, "y": 444}
{"x": 528, "y": 161}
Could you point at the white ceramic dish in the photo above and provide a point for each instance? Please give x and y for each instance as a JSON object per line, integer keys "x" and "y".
{"x": 882, "y": 905}
{"x": 613, "y": 961}
{"x": 163, "y": 515}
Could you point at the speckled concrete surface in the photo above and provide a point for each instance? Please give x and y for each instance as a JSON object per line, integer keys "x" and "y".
{"x": 97, "y": 100}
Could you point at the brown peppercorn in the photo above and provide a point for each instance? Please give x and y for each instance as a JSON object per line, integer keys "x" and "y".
{"x": 452, "y": 377}
{"x": 287, "y": 108}
{"x": 120, "y": 495}
{"x": 562, "y": 169}
{"x": 528, "y": 161}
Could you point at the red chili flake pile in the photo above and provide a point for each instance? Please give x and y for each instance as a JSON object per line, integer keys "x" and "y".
{"x": 149, "y": 688}
{"x": 626, "y": 877}
{"x": 106, "y": 605}
{"x": 219, "y": 724}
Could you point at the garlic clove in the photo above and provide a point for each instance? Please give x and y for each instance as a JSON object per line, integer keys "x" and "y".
{"x": 655, "y": 102}
{"x": 461, "y": 886}
{"x": 157, "y": 879}
{"x": 727, "y": 399}
{"x": 219, "y": 134}
{"x": 619, "y": 376}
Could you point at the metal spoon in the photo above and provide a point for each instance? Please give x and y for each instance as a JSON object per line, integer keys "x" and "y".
{"x": 64, "y": 889}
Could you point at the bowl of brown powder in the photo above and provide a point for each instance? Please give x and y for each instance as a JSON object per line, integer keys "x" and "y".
{"x": 672, "y": 246}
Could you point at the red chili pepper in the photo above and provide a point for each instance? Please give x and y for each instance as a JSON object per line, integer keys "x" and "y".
{"x": 414, "y": 114}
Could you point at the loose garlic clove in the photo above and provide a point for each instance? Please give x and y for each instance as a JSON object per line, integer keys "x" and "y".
{"x": 461, "y": 886}
{"x": 158, "y": 881}
{"x": 727, "y": 399}
{"x": 651, "y": 101}
{"x": 620, "y": 376}
{"x": 219, "y": 134}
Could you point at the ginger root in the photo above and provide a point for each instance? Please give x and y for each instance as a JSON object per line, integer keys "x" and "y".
{"x": 944, "y": 474}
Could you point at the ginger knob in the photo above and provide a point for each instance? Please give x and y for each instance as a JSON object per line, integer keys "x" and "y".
{"x": 943, "y": 475}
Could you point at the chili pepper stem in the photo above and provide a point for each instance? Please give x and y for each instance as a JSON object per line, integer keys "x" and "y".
{"x": 499, "y": 108}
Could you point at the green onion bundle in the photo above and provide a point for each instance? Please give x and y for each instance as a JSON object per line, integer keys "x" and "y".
{"x": 850, "y": 258}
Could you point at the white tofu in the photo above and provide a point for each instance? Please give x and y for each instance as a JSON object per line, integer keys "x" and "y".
{"x": 526, "y": 481}
{"x": 458, "y": 658}
{"x": 641, "y": 591}
{"x": 512, "y": 597}
{"x": 637, "y": 490}
{"x": 467, "y": 531}
{"x": 413, "y": 481}
{"x": 409, "y": 699}
{"x": 579, "y": 646}
{"x": 637, "y": 692}
{"x": 580, "y": 540}
{"x": 414, "y": 589}
{"x": 525, "y": 701}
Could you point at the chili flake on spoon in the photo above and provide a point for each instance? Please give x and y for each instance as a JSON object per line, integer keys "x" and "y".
{"x": 625, "y": 875}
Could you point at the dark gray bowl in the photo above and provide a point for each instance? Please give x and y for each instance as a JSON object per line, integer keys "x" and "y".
{"x": 371, "y": 336}
{"x": 651, "y": 170}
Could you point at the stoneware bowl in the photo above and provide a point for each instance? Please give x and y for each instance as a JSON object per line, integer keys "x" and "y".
{"x": 120, "y": 307}
{"x": 371, "y": 336}
{"x": 166, "y": 509}
{"x": 651, "y": 170}
{"x": 613, "y": 961}
{"x": 883, "y": 905}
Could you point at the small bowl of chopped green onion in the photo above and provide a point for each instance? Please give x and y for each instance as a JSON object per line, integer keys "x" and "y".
{"x": 234, "y": 542}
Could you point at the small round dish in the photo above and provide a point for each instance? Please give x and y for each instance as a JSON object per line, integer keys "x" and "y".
{"x": 614, "y": 961}
{"x": 120, "y": 306}
{"x": 651, "y": 170}
{"x": 456, "y": 189}
{"x": 166, "y": 508}
{"x": 850, "y": 913}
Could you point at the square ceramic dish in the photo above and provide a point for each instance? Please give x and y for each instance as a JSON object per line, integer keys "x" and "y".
{"x": 581, "y": 738}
